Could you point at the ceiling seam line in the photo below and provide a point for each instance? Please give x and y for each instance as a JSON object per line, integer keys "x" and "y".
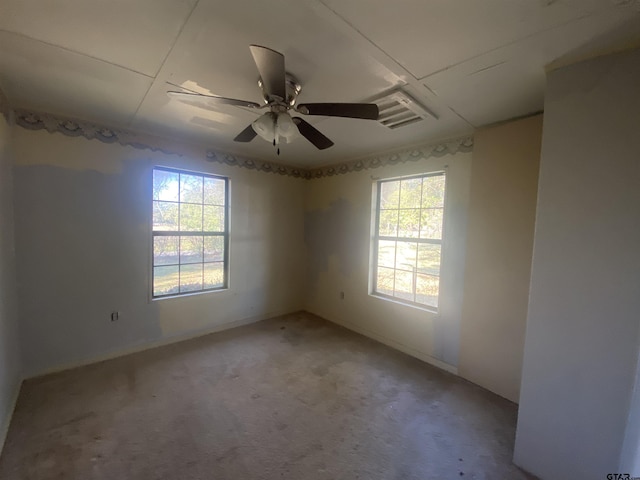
{"x": 164, "y": 60}
{"x": 155, "y": 77}
{"x": 70, "y": 50}
{"x": 450, "y": 107}
{"x": 371, "y": 42}
{"x": 510, "y": 44}
{"x": 389, "y": 62}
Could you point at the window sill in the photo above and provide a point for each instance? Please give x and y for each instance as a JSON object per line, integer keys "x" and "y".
{"x": 434, "y": 311}
{"x": 190, "y": 294}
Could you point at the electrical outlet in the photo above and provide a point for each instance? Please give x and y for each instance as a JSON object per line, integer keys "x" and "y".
{"x": 341, "y": 295}
{"x": 115, "y": 316}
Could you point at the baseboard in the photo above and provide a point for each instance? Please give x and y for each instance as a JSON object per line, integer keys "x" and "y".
{"x": 396, "y": 345}
{"x": 4, "y": 428}
{"x": 140, "y": 347}
{"x": 238, "y": 323}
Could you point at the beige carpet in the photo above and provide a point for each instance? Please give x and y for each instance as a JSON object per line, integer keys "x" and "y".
{"x": 294, "y": 398}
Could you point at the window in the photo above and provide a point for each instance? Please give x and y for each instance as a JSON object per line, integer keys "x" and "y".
{"x": 190, "y": 232}
{"x": 408, "y": 239}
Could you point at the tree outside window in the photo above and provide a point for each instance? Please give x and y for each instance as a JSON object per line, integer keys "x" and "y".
{"x": 190, "y": 232}
{"x": 408, "y": 239}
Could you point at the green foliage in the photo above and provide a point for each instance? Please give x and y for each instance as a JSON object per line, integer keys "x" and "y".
{"x": 187, "y": 203}
{"x": 410, "y": 208}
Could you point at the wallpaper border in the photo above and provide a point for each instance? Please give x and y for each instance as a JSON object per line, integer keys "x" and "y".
{"x": 464, "y": 144}
{"x": 33, "y": 120}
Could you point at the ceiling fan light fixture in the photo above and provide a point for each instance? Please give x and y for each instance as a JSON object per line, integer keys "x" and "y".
{"x": 275, "y": 127}
{"x": 265, "y": 127}
{"x": 286, "y": 128}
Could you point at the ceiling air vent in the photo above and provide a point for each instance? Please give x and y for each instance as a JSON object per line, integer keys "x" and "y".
{"x": 398, "y": 109}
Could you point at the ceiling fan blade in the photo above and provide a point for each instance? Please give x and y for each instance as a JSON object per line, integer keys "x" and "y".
{"x": 368, "y": 111}
{"x": 246, "y": 135}
{"x": 312, "y": 134}
{"x": 209, "y": 101}
{"x": 271, "y": 68}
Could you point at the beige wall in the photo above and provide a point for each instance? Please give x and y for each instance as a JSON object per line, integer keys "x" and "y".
{"x": 338, "y": 216}
{"x": 83, "y": 237}
{"x": 10, "y": 368}
{"x": 498, "y": 261}
{"x": 579, "y": 373}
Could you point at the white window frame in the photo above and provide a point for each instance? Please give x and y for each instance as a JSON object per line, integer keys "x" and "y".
{"x": 376, "y": 237}
{"x": 204, "y": 233}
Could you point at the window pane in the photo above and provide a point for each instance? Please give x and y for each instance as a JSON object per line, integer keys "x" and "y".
{"x": 431, "y": 223}
{"x": 429, "y": 259}
{"x": 389, "y": 194}
{"x": 386, "y": 253}
{"x": 213, "y": 275}
{"x": 410, "y": 192}
{"x": 165, "y": 216}
{"x": 188, "y": 204}
{"x": 165, "y": 185}
{"x": 190, "y": 249}
{"x": 214, "y": 191}
{"x": 190, "y": 217}
{"x": 165, "y": 250}
{"x": 427, "y": 288}
{"x": 190, "y": 188}
{"x": 410, "y": 209}
{"x": 406, "y": 255}
{"x": 409, "y": 223}
{"x": 190, "y": 277}
{"x": 433, "y": 192}
{"x": 213, "y": 249}
{"x": 388, "y": 223}
{"x": 165, "y": 280}
{"x": 213, "y": 219}
{"x": 404, "y": 285}
{"x": 384, "y": 282}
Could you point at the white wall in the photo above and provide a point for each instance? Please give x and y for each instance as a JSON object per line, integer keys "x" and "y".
{"x": 504, "y": 179}
{"x": 10, "y": 370}
{"x": 83, "y": 238}
{"x": 583, "y": 320}
{"x": 338, "y": 238}
{"x": 83, "y": 244}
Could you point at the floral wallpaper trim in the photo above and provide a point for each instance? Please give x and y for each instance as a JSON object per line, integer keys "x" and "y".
{"x": 75, "y": 128}
{"x": 453, "y": 146}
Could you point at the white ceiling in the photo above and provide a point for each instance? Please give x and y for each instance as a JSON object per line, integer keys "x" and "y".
{"x": 470, "y": 62}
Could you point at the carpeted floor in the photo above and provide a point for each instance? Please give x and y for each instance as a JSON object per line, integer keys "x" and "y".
{"x": 294, "y": 397}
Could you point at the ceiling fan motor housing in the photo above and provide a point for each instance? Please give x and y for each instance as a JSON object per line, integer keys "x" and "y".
{"x": 293, "y": 89}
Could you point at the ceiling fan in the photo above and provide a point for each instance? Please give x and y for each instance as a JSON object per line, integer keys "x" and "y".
{"x": 280, "y": 91}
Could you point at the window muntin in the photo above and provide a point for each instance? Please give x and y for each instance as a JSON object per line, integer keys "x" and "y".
{"x": 190, "y": 232}
{"x": 408, "y": 239}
